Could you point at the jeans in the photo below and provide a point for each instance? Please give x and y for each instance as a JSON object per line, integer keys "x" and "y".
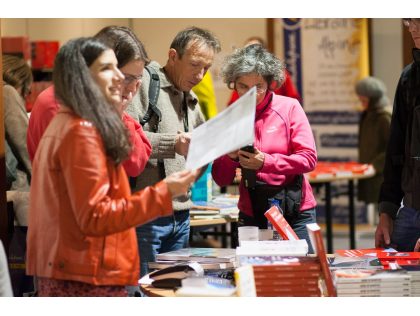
{"x": 406, "y": 229}
{"x": 299, "y": 225}
{"x": 162, "y": 235}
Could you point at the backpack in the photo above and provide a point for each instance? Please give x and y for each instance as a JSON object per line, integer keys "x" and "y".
{"x": 154, "y": 88}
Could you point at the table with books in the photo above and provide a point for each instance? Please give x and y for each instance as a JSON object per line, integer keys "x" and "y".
{"x": 222, "y": 211}
{"x": 255, "y": 268}
{"x": 376, "y": 272}
{"x": 327, "y": 172}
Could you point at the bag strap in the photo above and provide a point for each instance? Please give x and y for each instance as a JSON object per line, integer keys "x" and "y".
{"x": 154, "y": 88}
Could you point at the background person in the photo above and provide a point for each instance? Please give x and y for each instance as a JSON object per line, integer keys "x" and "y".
{"x": 190, "y": 56}
{"x": 204, "y": 91}
{"x": 81, "y": 239}
{"x": 284, "y": 144}
{"x": 399, "y": 200}
{"x": 17, "y": 81}
{"x": 374, "y": 128}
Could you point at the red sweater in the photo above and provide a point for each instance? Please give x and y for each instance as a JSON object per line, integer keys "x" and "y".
{"x": 46, "y": 107}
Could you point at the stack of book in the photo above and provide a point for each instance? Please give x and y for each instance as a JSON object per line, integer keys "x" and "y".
{"x": 208, "y": 258}
{"x": 285, "y": 276}
{"x": 414, "y": 272}
{"x": 361, "y": 283}
{"x": 272, "y": 247}
{"x": 223, "y": 206}
{"x": 407, "y": 261}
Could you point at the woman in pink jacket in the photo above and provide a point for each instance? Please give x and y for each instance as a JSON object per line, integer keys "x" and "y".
{"x": 284, "y": 147}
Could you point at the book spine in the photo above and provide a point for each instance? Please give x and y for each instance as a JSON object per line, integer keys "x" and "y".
{"x": 285, "y": 268}
{"x": 286, "y": 275}
{"x": 318, "y": 243}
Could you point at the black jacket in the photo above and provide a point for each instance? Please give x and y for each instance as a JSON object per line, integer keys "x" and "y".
{"x": 402, "y": 162}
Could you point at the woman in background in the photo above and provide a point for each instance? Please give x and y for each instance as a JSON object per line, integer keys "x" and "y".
{"x": 284, "y": 147}
{"x": 17, "y": 81}
{"x": 81, "y": 237}
{"x": 374, "y": 128}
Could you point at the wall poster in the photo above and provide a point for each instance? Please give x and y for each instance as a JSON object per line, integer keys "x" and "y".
{"x": 326, "y": 57}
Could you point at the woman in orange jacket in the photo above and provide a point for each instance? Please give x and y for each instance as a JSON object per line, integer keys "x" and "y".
{"x": 81, "y": 236}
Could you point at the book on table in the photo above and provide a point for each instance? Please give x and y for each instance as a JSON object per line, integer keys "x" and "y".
{"x": 280, "y": 223}
{"x": 315, "y": 236}
{"x": 272, "y": 247}
{"x": 372, "y": 283}
{"x": 206, "y": 265}
{"x": 225, "y": 206}
{"x": 171, "y": 277}
{"x": 199, "y": 255}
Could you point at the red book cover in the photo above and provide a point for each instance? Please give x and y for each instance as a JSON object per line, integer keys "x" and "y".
{"x": 286, "y": 268}
{"x": 285, "y": 275}
{"x": 287, "y": 282}
{"x": 289, "y": 288}
{"x": 315, "y": 235}
{"x": 367, "y": 252}
{"x": 390, "y": 256}
{"x": 280, "y": 224}
{"x": 273, "y": 293}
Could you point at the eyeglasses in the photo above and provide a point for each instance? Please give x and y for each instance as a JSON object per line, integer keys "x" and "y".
{"x": 129, "y": 79}
{"x": 241, "y": 88}
{"x": 409, "y": 21}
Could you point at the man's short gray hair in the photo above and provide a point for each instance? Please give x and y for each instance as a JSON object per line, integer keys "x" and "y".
{"x": 253, "y": 59}
{"x": 194, "y": 34}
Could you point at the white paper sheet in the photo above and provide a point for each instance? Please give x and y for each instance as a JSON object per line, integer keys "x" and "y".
{"x": 228, "y": 131}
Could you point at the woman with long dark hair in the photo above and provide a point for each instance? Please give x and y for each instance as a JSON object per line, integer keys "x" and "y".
{"x": 81, "y": 238}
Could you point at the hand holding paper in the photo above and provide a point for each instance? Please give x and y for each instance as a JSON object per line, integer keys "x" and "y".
{"x": 230, "y": 130}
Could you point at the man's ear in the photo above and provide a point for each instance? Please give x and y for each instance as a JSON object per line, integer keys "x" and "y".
{"x": 172, "y": 55}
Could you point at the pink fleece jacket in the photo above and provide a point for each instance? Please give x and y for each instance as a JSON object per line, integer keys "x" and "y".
{"x": 283, "y": 134}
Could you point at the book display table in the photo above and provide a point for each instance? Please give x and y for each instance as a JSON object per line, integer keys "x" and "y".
{"x": 327, "y": 172}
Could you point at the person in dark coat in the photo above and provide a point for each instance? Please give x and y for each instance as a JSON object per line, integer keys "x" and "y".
{"x": 374, "y": 127}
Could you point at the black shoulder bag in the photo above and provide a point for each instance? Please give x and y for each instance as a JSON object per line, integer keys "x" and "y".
{"x": 289, "y": 198}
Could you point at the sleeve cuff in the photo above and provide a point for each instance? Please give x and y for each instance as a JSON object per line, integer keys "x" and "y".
{"x": 388, "y": 208}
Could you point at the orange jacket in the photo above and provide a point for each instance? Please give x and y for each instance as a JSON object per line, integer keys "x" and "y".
{"x": 82, "y": 214}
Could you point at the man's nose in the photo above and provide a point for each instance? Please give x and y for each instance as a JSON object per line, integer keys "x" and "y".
{"x": 200, "y": 75}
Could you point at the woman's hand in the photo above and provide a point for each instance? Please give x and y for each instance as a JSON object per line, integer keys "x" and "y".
{"x": 234, "y": 155}
{"x": 253, "y": 161}
{"x": 417, "y": 246}
{"x": 180, "y": 182}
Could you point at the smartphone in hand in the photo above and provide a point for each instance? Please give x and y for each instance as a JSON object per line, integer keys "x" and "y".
{"x": 249, "y": 176}
{"x": 248, "y": 148}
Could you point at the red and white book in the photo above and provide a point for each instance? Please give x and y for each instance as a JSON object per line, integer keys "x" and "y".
{"x": 280, "y": 224}
{"x": 315, "y": 235}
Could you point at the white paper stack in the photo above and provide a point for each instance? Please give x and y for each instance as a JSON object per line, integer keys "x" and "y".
{"x": 272, "y": 248}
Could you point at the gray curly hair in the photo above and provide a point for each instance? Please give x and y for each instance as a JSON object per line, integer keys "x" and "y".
{"x": 253, "y": 59}
{"x": 374, "y": 89}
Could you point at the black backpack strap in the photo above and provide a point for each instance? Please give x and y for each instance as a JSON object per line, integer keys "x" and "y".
{"x": 154, "y": 89}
